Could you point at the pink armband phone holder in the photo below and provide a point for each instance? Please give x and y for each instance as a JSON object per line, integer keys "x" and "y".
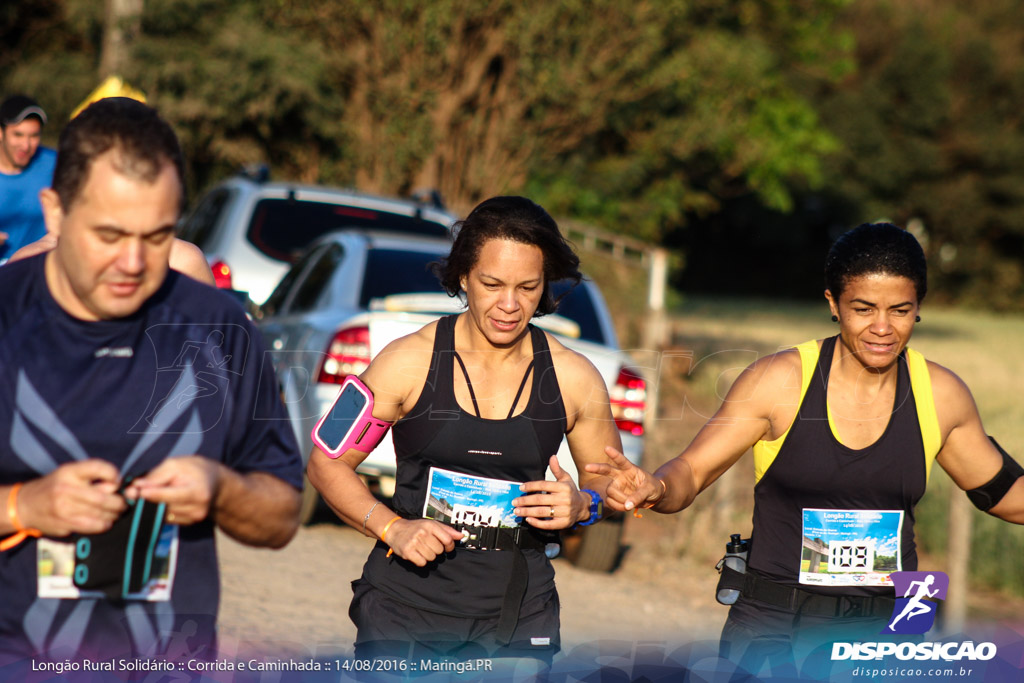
{"x": 349, "y": 422}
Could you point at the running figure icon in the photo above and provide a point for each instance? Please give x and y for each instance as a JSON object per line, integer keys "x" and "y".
{"x": 915, "y": 606}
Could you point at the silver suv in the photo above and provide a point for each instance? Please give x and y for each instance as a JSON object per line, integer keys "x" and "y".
{"x": 252, "y": 231}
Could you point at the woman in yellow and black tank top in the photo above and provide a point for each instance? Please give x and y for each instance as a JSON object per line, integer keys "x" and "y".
{"x": 844, "y": 432}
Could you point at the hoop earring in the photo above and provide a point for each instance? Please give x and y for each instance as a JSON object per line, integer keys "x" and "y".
{"x": 835, "y": 319}
{"x": 917, "y": 318}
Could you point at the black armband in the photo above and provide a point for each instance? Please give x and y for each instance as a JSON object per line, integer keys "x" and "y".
{"x": 988, "y": 495}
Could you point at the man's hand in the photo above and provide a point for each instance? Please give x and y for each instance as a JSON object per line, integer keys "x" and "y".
{"x": 421, "y": 540}
{"x": 553, "y": 504}
{"x": 630, "y": 486}
{"x": 78, "y": 497}
{"x": 187, "y": 484}
{"x": 255, "y": 508}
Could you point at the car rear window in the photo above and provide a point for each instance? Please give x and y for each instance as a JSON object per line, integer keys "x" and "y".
{"x": 199, "y": 226}
{"x": 391, "y": 271}
{"x": 282, "y": 228}
{"x": 578, "y": 306}
{"x": 317, "y": 279}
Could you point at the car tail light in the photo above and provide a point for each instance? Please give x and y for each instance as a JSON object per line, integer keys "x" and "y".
{"x": 347, "y": 354}
{"x": 628, "y": 401}
{"x": 221, "y": 274}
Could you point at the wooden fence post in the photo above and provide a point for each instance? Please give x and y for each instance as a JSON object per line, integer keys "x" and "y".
{"x": 958, "y": 556}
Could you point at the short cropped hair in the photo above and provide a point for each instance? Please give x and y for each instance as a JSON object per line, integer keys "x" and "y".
{"x": 520, "y": 220}
{"x": 143, "y": 140}
{"x": 876, "y": 248}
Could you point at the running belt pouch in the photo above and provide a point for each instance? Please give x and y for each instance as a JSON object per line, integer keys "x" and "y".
{"x": 118, "y": 561}
{"x": 729, "y": 578}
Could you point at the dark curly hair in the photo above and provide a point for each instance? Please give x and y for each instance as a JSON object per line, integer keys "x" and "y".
{"x": 143, "y": 140}
{"x": 876, "y": 248}
{"x": 520, "y": 220}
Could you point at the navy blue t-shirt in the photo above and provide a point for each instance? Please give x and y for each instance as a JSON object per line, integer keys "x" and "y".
{"x": 186, "y": 374}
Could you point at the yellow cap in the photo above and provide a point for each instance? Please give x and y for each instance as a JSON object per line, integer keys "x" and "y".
{"x": 112, "y": 86}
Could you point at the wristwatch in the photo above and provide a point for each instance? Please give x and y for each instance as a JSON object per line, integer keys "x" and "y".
{"x": 596, "y": 507}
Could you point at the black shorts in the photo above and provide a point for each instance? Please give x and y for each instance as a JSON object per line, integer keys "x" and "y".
{"x": 758, "y": 635}
{"x": 386, "y": 627}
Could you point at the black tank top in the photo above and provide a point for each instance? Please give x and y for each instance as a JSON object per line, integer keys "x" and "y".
{"x": 437, "y": 432}
{"x": 813, "y": 471}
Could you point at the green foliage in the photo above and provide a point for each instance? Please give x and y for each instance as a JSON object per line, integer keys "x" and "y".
{"x": 631, "y": 114}
{"x": 932, "y": 130}
{"x": 237, "y": 90}
{"x": 719, "y": 119}
{"x": 51, "y": 54}
{"x": 694, "y": 123}
{"x": 886, "y": 563}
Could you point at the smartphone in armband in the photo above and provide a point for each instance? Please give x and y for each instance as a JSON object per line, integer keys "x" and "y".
{"x": 349, "y": 422}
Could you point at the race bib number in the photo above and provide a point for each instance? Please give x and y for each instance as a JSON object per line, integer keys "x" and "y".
{"x": 55, "y": 568}
{"x": 456, "y": 498}
{"x": 850, "y": 547}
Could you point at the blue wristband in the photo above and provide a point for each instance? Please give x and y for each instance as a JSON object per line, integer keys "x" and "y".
{"x": 596, "y": 507}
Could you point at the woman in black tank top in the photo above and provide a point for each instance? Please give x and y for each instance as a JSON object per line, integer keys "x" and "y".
{"x": 841, "y": 459}
{"x": 479, "y": 395}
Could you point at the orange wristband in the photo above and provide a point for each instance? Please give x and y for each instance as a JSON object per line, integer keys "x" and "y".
{"x": 385, "y": 533}
{"x": 21, "y": 533}
{"x": 664, "y": 490}
{"x": 648, "y": 506}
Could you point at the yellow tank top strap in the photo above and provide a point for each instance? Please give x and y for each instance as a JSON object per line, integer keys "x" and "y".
{"x": 765, "y": 451}
{"x": 921, "y": 383}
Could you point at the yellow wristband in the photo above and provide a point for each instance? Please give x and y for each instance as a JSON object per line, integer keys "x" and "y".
{"x": 21, "y": 533}
{"x": 385, "y": 533}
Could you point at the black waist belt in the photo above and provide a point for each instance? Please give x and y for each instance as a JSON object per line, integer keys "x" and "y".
{"x": 513, "y": 539}
{"x": 756, "y": 587}
{"x": 500, "y": 538}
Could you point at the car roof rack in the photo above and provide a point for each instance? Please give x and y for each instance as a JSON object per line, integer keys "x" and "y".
{"x": 428, "y": 197}
{"x": 257, "y": 172}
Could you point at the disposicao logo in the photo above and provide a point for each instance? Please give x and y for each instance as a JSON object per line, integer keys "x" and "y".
{"x": 914, "y": 611}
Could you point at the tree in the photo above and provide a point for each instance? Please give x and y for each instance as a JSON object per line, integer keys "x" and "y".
{"x": 614, "y": 109}
{"x": 629, "y": 113}
{"x": 728, "y": 121}
{"x": 121, "y": 26}
{"x": 934, "y": 137}
{"x": 50, "y": 53}
{"x": 238, "y": 88}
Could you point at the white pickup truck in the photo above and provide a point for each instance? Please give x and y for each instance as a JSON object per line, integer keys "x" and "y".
{"x": 353, "y": 292}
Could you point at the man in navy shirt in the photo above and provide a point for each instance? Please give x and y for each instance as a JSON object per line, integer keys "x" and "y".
{"x": 122, "y": 381}
{"x": 25, "y": 169}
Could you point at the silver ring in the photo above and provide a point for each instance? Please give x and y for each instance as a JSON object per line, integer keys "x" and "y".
{"x": 552, "y": 511}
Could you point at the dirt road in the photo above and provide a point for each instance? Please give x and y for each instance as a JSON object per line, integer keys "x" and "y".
{"x": 296, "y": 599}
{"x": 651, "y": 618}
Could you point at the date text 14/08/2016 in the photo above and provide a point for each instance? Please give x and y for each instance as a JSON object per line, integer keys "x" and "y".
{"x": 192, "y": 665}
{"x": 425, "y": 665}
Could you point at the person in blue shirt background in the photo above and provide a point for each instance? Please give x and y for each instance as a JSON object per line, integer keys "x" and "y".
{"x": 25, "y": 168}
